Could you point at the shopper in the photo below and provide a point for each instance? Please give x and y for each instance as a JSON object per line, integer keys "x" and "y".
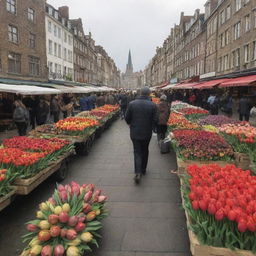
{"x": 163, "y": 113}
{"x": 100, "y": 101}
{"x": 21, "y": 117}
{"x": 55, "y": 109}
{"x": 31, "y": 104}
{"x": 123, "y": 104}
{"x": 141, "y": 116}
{"x": 42, "y": 111}
{"x": 244, "y": 109}
{"x": 84, "y": 103}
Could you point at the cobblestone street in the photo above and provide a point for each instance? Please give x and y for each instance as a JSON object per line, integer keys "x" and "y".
{"x": 144, "y": 220}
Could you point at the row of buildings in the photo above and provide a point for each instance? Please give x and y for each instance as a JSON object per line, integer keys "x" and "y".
{"x": 39, "y": 42}
{"x": 218, "y": 42}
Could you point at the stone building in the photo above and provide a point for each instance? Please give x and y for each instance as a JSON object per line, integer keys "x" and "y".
{"x": 22, "y": 40}
{"x": 81, "y": 63}
{"x": 130, "y": 79}
{"x": 59, "y": 43}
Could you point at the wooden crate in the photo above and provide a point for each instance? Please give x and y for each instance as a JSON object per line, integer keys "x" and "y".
{"x": 183, "y": 164}
{"x": 243, "y": 161}
{"x": 25, "y": 186}
{"x": 6, "y": 200}
{"x": 198, "y": 249}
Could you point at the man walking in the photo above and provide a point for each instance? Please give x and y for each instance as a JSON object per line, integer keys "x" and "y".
{"x": 141, "y": 115}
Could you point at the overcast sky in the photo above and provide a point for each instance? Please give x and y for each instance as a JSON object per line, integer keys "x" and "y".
{"x": 120, "y": 25}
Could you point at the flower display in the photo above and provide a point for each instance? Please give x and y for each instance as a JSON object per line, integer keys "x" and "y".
{"x": 5, "y": 181}
{"x": 76, "y": 125}
{"x": 176, "y": 105}
{"x": 221, "y": 204}
{"x": 68, "y": 223}
{"x": 201, "y": 145}
{"x": 35, "y": 144}
{"x": 217, "y": 120}
{"x": 178, "y": 121}
{"x": 210, "y": 128}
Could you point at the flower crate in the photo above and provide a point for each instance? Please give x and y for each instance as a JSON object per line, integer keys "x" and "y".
{"x": 198, "y": 249}
{"x": 25, "y": 186}
{"x": 6, "y": 199}
{"x": 242, "y": 161}
{"x": 183, "y": 164}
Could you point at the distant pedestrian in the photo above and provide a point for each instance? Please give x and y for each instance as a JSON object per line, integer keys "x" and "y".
{"x": 21, "y": 117}
{"x": 55, "y": 109}
{"x": 244, "y": 109}
{"x": 42, "y": 111}
{"x": 163, "y": 113}
{"x": 123, "y": 104}
{"x": 141, "y": 116}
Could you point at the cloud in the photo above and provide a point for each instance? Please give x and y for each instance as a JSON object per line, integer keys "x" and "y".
{"x": 120, "y": 25}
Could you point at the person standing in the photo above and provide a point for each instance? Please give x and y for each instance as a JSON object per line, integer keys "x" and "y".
{"x": 55, "y": 109}
{"x": 244, "y": 109}
{"x": 21, "y": 117}
{"x": 42, "y": 111}
{"x": 123, "y": 104}
{"x": 163, "y": 113}
{"x": 141, "y": 116}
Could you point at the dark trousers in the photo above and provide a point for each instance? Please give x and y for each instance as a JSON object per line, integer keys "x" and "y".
{"x": 140, "y": 148}
{"x": 123, "y": 110}
{"x": 32, "y": 116}
{"x": 244, "y": 117}
{"x": 55, "y": 115}
{"x": 22, "y": 128}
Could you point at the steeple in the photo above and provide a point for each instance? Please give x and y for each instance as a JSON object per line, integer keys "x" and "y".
{"x": 129, "y": 66}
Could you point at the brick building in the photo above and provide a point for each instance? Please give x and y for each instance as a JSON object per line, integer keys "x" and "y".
{"x": 22, "y": 40}
{"x": 222, "y": 41}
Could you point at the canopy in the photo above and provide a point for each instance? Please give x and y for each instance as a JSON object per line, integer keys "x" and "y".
{"x": 27, "y": 89}
{"x": 169, "y": 86}
{"x": 210, "y": 84}
{"x": 240, "y": 81}
{"x": 72, "y": 89}
{"x": 185, "y": 86}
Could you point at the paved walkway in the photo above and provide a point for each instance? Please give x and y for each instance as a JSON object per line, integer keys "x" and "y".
{"x": 144, "y": 220}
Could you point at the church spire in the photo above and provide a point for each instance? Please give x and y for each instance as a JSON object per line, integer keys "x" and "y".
{"x": 129, "y": 66}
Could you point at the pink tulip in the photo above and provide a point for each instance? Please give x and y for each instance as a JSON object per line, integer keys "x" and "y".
{"x": 61, "y": 187}
{"x": 102, "y": 199}
{"x": 97, "y": 192}
{"x": 63, "y": 196}
{"x": 88, "y": 196}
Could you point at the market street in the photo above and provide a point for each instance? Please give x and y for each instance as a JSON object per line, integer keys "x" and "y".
{"x": 144, "y": 220}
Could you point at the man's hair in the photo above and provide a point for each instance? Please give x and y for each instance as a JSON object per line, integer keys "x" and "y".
{"x": 145, "y": 91}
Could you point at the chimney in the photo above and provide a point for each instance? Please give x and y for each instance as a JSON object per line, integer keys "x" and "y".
{"x": 64, "y": 12}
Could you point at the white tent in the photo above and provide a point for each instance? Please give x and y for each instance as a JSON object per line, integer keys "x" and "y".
{"x": 72, "y": 89}
{"x": 169, "y": 86}
{"x": 27, "y": 89}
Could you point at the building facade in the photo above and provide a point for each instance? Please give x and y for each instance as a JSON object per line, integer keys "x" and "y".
{"x": 22, "y": 40}
{"x": 219, "y": 42}
{"x": 59, "y": 43}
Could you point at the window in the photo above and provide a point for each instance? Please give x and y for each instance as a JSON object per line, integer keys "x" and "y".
{"x": 247, "y": 23}
{"x": 33, "y": 63}
{"x": 50, "y": 66}
{"x": 55, "y": 49}
{"x": 70, "y": 40}
{"x": 228, "y": 12}
{"x": 14, "y": 63}
{"x": 246, "y": 53}
{"x": 254, "y": 50}
{"x": 65, "y": 37}
{"x": 227, "y": 37}
{"x": 13, "y": 34}
{"x": 254, "y": 17}
{"x": 236, "y": 57}
{"x": 31, "y": 14}
{"x": 59, "y": 51}
{"x": 59, "y": 32}
{"x": 11, "y": 6}
{"x": 222, "y": 17}
{"x": 237, "y": 30}
{"x": 226, "y": 64}
{"x": 56, "y": 67}
{"x": 222, "y": 40}
{"x": 32, "y": 40}
{"x": 220, "y": 64}
{"x": 50, "y": 47}
{"x": 65, "y": 54}
{"x": 55, "y": 30}
{"x": 238, "y": 5}
{"x": 49, "y": 26}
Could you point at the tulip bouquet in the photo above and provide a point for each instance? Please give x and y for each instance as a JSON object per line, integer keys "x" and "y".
{"x": 178, "y": 121}
{"x": 68, "y": 223}
{"x": 193, "y": 114}
{"x": 77, "y": 126}
{"x": 220, "y": 202}
{"x": 216, "y": 120}
{"x": 6, "y": 178}
{"x": 201, "y": 145}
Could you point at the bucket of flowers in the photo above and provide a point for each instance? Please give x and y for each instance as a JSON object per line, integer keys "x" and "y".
{"x": 67, "y": 223}
{"x": 193, "y": 114}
